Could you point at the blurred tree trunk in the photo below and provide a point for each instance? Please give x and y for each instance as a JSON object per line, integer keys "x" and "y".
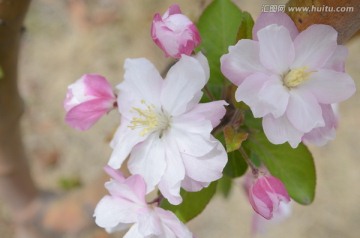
{"x": 347, "y": 23}
{"x": 17, "y": 188}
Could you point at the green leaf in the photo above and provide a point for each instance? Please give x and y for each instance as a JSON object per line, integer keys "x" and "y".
{"x": 224, "y": 186}
{"x": 193, "y": 203}
{"x": 294, "y": 167}
{"x": 218, "y": 26}
{"x": 236, "y": 165}
{"x": 233, "y": 139}
{"x": 245, "y": 30}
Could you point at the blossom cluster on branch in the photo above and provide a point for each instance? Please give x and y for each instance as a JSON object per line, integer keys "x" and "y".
{"x": 170, "y": 134}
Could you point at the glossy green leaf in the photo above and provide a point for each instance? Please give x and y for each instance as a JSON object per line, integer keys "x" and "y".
{"x": 193, "y": 203}
{"x": 294, "y": 167}
{"x": 218, "y": 26}
{"x": 236, "y": 165}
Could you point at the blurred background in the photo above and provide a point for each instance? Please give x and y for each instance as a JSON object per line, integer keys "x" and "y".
{"x": 67, "y": 38}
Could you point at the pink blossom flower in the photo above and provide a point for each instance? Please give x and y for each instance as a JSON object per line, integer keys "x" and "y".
{"x": 164, "y": 128}
{"x": 174, "y": 33}
{"x": 266, "y": 194}
{"x": 88, "y": 99}
{"x": 126, "y": 207}
{"x": 289, "y": 78}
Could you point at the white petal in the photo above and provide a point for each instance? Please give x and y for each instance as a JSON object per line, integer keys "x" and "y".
{"x": 314, "y": 46}
{"x": 141, "y": 80}
{"x": 183, "y": 82}
{"x": 150, "y": 224}
{"x": 280, "y": 130}
{"x": 241, "y": 61}
{"x": 276, "y": 48}
{"x": 213, "y": 111}
{"x": 123, "y": 142}
{"x": 170, "y": 183}
{"x": 110, "y": 212}
{"x": 173, "y": 223}
{"x": 133, "y": 232}
{"x": 204, "y": 63}
{"x": 304, "y": 111}
{"x": 148, "y": 160}
{"x": 329, "y": 86}
{"x": 206, "y": 168}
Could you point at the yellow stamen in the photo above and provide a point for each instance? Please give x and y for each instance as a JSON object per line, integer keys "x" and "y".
{"x": 296, "y": 77}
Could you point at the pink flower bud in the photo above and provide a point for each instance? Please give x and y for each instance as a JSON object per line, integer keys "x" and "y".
{"x": 174, "y": 33}
{"x": 87, "y": 100}
{"x": 266, "y": 194}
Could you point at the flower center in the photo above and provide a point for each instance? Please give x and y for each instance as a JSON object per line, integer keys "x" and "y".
{"x": 296, "y": 76}
{"x": 150, "y": 119}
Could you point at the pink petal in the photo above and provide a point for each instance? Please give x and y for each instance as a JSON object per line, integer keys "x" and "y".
{"x": 183, "y": 81}
{"x": 172, "y": 222}
{"x": 148, "y": 160}
{"x": 278, "y": 188}
{"x": 280, "y": 130}
{"x": 321, "y": 135}
{"x": 86, "y": 114}
{"x": 173, "y": 9}
{"x": 314, "y": 46}
{"x": 329, "y": 86}
{"x": 241, "y": 61}
{"x": 98, "y": 86}
{"x": 260, "y": 201}
{"x": 276, "y": 48}
{"x": 193, "y": 186}
{"x": 248, "y": 92}
{"x": 337, "y": 59}
{"x": 114, "y": 173}
{"x": 304, "y": 111}
{"x": 278, "y": 18}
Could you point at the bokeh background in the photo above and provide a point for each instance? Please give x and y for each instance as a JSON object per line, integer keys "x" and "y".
{"x": 67, "y": 38}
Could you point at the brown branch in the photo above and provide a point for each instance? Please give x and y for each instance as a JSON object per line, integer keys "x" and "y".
{"x": 347, "y": 23}
{"x": 17, "y": 189}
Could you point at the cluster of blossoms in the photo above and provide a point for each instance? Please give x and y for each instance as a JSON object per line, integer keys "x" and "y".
{"x": 290, "y": 79}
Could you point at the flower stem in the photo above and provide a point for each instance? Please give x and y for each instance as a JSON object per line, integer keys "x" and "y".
{"x": 208, "y": 93}
{"x": 254, "y": 169}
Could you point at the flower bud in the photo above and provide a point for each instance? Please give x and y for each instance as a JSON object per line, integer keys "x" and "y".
{"x": 174, "y": 33}
{"x": 266, "y": 194}
{"x": 87, "y": 100}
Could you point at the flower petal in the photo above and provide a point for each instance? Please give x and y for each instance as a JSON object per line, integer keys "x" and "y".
{"x": 276, "y": 48}
{"x": 98, "y": 86}
{"x": 111, "y": 211}
{"x": 141, "y": 81}
{"x": 337, "y": 60}
{"x": 148, "y": 160}
{"x": 206, "y": 168}
{"x": 213, "y": 111}
{"x": 329, "y": 86}
{"x": 280, "y": 130}
{"x": 193, "y": 186}
{"x": 241, "y": 61}
{"x": 314, "y": 46}
{"x": 278, "y": 18}
{"x": 183, "y": 82}
{"x": 304, "y": 111}
{"x": 248, "y": 92}
{"x": 123, "y": 142}
{"x": 86, "y": 114}
{"x": 171, "y": 181}
{"x": 173, "y": 223}
{"x": 134, "y": 232}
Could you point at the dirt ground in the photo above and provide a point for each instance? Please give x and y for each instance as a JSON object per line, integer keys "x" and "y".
{"x": 59, "y": 46}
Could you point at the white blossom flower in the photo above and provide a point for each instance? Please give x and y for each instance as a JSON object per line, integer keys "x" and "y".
{"x": 164, "y": 128}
